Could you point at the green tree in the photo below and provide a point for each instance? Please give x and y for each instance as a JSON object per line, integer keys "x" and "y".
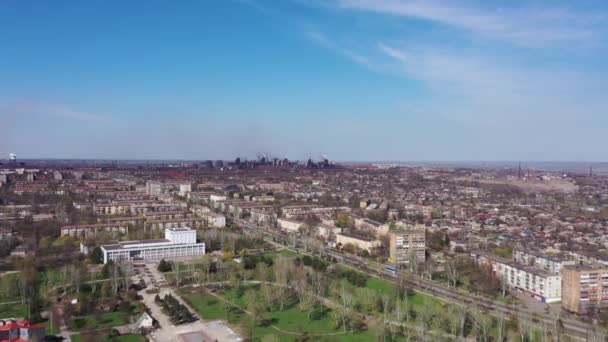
{"x": 96, "y": 255}
{"x": 164, "y": 266}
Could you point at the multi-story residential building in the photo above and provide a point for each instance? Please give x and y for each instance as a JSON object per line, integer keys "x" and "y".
{"x": 406, "y": 245}
{"x": 166, "y": 215}
{"x": 540, "y": 260}
{"x": 262, "y": 216}
{"x": 191, "y": 222}
{"x": 374, "y": 226}
{"x": 135, "y": 207}
{"x": 214, "y": 219}
{"x": 199, "y": 209}
{"x": 328, "y": 232}
{"x": 178, "y": 242}
{"x": 200, "y": 196}
{"x": 362, "y": 242}
{"x": 86, "y": 230}
{"x": 263, "y": 198}
{"x": 589, "y": 257}
{"x": 157, "y": 188}
{"x": 540, "y": 284}
{"x": 290, "y": 210}
{"x": 585, "y": 287}
{"x": 289, "y": 225}
{"x": 214, "y": 200}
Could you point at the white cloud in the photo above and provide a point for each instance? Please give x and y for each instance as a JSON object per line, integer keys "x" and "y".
{"x": 529, "y": 27}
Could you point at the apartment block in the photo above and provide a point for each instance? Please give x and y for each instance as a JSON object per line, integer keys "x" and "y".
{"x": 406, "y": 244}
{"x": 540, "y": 260}
{"x": 585, "y": 287}
{"x": 537, "y": 283}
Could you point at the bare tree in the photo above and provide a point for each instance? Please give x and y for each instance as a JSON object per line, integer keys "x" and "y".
{"x": 504, "y": 284}
{"x": 483, "y": 323}
{"x": 429, "y": 268}
{"x": 427, "y": 317}
{"x": 452, "y": 271}
{"x": 500, "y": 325}
{"x": 206, "y": 263}
{"x": 523, "y": 327}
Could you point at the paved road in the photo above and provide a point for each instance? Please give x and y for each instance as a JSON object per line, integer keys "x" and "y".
{"x": 569, "y": 326}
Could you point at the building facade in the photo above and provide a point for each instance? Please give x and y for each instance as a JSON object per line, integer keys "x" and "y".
{"x": 585, "y": 287}
{"x": 407, "y": 245}
{"x": 361, "y": 242}
{"x": 539, "y": 284}
{"x": 178, "y": 242}
{"x": 549, "y": 263}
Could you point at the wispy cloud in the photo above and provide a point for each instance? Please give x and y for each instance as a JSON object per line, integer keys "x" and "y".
{"x": 529, "y": 27}
{"x": 257, "y": 6}
{"x": 322, "y": 40}
{"x": 474, "y": 88}
{"x": 41, "y": 108}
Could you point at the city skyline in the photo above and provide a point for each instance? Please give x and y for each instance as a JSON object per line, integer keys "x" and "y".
{"x": 352, "y": 79}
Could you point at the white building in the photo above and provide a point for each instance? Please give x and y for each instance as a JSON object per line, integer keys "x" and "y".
{"x": 214, "y": 199}
{"x": 549, "y": 263}
{"x": 214, "y": 219}
{"x": 542, "y": 285}
{"x": 178, "y": 242}
{"x": 185, "y": 189}
{"x": 289, "y": 225}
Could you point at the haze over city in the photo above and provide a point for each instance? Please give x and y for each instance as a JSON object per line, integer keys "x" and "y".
{"x": 352, "y": 79}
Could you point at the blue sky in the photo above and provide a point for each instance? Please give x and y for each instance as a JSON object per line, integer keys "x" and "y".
{"x": 352, "y": 79}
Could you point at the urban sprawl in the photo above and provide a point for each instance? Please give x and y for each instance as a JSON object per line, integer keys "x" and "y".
{"x": 270, "y": 249}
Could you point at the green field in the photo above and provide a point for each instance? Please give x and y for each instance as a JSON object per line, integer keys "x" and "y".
{"x": 100, "y": 321}
{"x": 121, "y": 338}
{"x": 207, "y": 306}
{"x": 381, "y": 286}
{"x": 290, "y": 320}
{"x": 13, "y": 310}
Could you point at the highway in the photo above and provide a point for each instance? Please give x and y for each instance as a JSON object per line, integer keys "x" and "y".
{"x": 568, "y": 326}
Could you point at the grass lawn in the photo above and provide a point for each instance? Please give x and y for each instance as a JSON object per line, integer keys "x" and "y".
{"x": 131, "y": 338}
{"x": 105, "y": 320}
{"x": 121, "y": 338}
{"x": 207, "y": 306}
{"x": 13, "y": 310}
{"x": 290, "y": 319}
{"x": 381, "y": 285}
